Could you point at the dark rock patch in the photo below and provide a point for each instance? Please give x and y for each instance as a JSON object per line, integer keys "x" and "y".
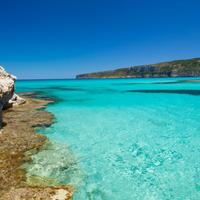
{"x": 189, "y": 92}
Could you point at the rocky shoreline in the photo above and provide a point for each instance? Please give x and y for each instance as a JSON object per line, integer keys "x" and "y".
{"x": 17, "y": 137}
{"x": 19, "y": 115}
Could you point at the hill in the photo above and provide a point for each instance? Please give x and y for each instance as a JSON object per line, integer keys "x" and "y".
{"x": 177, "y": 68}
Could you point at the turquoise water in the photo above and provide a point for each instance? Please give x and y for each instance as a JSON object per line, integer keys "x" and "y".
{"x": 121, "y": 139}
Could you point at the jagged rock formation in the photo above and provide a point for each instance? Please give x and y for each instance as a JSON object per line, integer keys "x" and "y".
{"x": 177, "y": 68}
{"x": 7, "y": 89}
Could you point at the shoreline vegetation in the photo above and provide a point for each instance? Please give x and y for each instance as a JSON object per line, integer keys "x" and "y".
{"x": 18, "y": 136}
{"x": 177, "y": 68}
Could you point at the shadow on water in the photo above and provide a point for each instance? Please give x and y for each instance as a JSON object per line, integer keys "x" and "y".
{"x": 89, "y": 90}
{"x": 41, "y": 95}
{"x": 164, "y": 82}
{"x": 63, "y": 88}
{"x": 189, "y": 92}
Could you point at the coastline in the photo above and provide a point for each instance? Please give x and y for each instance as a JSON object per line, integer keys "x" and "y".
{"x": 17, "y": 137}
{"x": 133, "y": 77}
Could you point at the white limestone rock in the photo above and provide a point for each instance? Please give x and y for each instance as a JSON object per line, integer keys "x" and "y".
{"x": 16, "y": 100}
{"x": 7, "y": 89}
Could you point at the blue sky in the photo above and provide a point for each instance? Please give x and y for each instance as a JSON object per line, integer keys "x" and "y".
{"x": 62, "y": 38}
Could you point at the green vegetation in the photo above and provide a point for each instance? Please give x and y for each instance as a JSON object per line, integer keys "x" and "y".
{"x": 190, "y": 67}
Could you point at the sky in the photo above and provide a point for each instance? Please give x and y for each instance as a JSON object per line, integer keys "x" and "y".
{"x": 41, "y": 39}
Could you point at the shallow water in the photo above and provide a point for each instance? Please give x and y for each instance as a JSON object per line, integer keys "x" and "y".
{"x": 122, "y": 138}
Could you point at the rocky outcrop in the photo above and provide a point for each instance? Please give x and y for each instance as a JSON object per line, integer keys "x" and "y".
{"x": 7, "y": 89}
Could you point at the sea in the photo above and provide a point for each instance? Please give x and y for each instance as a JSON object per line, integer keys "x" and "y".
{"x": 121, "y": 139}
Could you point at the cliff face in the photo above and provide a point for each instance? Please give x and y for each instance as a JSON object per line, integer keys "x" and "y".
{"x": 190, "y": 67}
{"x": 7, "y": 95}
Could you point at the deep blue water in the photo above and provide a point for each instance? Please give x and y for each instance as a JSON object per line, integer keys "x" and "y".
{"x": 121, "y": 139}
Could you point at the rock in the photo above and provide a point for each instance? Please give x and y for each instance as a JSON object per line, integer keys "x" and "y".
{"x": 7, "y": 82}
{"x": 7, "y": 96}
{"x": 39, "y": 193}
{"x": 18, "y": 137}
{"x": 16, "y": 100}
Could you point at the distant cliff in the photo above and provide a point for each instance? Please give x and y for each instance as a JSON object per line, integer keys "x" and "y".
{"x": 190, "y": 67}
